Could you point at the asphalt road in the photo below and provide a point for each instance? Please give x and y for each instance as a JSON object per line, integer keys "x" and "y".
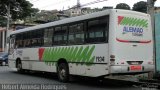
{"x": 11, "y": 77}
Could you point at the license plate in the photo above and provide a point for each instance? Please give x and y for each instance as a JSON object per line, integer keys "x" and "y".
{"x": 135, "y": 67}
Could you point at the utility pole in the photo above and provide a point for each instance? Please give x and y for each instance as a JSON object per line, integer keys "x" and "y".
{"x": 78, "y": 4}
{"x": 3, "y": 40}
{"x": 8, "y": 23}
{"x": 150, "y": 10}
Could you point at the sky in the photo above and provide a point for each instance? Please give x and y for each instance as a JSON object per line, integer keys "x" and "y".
{"x": 65, "y": 4}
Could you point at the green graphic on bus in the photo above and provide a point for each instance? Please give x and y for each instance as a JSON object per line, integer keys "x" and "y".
{"x": 71, "y": 54}
{"x": 132, "y": 21}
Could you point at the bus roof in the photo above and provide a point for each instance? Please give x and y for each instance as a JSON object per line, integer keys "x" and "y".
{"x": 74, "y": 19}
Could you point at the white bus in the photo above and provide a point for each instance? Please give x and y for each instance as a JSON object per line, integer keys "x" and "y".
{"x": 110, "y": 42}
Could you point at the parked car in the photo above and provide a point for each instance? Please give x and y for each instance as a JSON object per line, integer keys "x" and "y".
{"x": 3, "y": 58}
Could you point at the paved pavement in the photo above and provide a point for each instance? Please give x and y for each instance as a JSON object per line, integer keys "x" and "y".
{"x": 9, "y": 76}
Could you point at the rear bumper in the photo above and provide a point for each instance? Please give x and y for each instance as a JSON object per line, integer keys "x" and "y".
{"x": 126, "y": 69}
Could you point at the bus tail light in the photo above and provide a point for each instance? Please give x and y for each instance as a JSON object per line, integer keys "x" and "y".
{"x": 112, "y": 59}
{"x": 150, "y": 62}
{"x": 112, "y": 56}
{"x": 122, "y": 62}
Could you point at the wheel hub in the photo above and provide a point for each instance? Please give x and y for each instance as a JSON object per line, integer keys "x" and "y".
{"x": 62, "y": 73}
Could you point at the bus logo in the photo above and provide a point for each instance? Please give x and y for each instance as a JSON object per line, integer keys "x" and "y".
{"x": 129, "y": 21}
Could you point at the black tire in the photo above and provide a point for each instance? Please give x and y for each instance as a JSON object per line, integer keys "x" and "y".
{"x": 63, "y": 72}
{"x": 19, "y": 67}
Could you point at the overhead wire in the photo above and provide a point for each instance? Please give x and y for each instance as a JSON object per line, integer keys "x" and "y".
{"x": 97, "y": 1}
{"x": 90, "y": 3}
{"x": 35, "y": 1}
{"x": 54, "y": 4}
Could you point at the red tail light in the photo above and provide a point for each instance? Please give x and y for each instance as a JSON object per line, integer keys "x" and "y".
{"x": 112, "y": 59}
{"x": 150, "y": 62}
{"x": 112, "y": 56}
{"x": 122, "y": 62}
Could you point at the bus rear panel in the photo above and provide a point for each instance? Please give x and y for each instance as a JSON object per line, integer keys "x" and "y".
{"x": 132, "y": 45}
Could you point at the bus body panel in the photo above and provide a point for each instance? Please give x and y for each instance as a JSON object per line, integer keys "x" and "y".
{"x": 85, "y": 60}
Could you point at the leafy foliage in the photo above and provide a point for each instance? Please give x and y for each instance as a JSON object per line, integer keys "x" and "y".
{"x": 140, "y": 6}
{"x": 19, "y": 9}
{"x": 3, "y": 21}
{"x": 123, "y": 6}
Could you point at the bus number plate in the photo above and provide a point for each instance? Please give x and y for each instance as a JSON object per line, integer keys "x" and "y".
{"x": 135, "y": 67}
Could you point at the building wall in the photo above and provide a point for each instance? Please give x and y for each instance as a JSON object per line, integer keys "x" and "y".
{"x": 2, "y": 32}
{"x": 3, "y": 35}
{"x": 157, "y": 10}
{"x": 0, "y": 41}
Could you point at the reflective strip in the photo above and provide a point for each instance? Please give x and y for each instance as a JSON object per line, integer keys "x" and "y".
{"x": 127, "y": 41}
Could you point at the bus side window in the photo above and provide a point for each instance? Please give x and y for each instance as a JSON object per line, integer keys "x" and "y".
{"x": 40, "y": 38}
{"x": 71, "y": 36}
{"x": 37, "y": 38}
{"x": 79, "y": 34}
{"x": 48, "y": 34}
{"x": 60, "y": 35}
{"x": 21, "y": 43}
{"x": 97, "y": 30}
{"x": 18, "y": 40}
{"x": 76, "y": 33}
{"x": 17, "y": 43}
{"x": 11, "y": 44}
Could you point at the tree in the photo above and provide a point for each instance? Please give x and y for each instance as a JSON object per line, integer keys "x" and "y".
{"x": 3, "y": 21}
{"x": 123, "y": 6}
{"x": 140, "y": 6}
{"x": 19, "y": 9}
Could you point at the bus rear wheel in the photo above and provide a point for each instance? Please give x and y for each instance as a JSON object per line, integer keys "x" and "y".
{"x": 63, "y": 72}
